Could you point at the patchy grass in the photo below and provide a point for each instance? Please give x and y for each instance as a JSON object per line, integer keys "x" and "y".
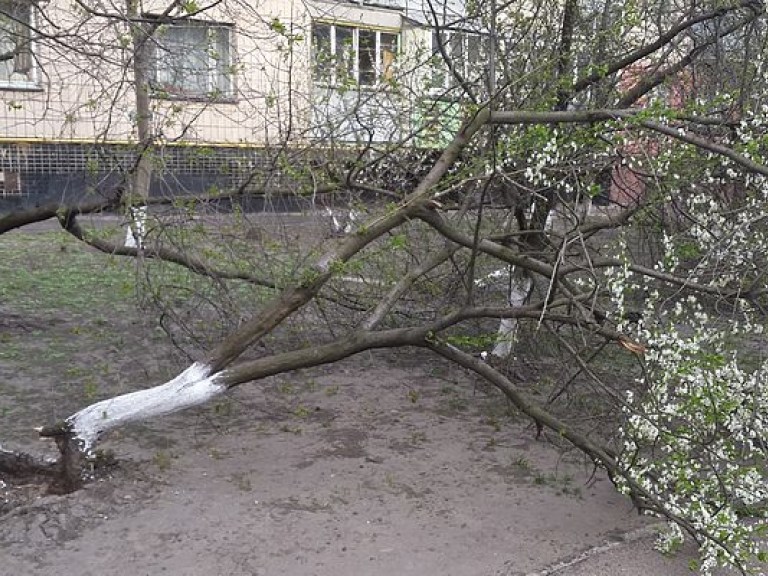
{"x": 71, "y": 329}
{"x": 48, "y": 272}
{"x": 50, "y": 277}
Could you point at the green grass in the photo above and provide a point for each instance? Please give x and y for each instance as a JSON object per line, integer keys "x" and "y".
{"x": 73, "y": 317}
{"x": 47, "y": 272}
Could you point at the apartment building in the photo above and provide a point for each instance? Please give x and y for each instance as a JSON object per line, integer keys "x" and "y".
{"x": 228, "y": 89}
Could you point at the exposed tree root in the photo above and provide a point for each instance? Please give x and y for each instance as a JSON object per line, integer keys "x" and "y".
{"x": 22, "y": 468}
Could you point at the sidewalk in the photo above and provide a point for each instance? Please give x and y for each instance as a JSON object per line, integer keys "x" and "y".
{"x": 632, "y": 555}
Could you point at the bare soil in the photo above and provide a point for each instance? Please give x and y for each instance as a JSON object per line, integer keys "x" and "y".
{"x": 388, "y": 463}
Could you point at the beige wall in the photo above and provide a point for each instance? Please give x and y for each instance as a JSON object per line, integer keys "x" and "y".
{"x": 86, "y": 85}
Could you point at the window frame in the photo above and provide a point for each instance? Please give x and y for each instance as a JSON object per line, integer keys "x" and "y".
{"x": 337, "y": 72}
{"x": 33, "y": 80}
{"x": 216, "y": 72}
{"x": 442, "y": 78}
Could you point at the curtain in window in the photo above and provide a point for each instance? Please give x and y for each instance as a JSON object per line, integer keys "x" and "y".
{"x": 193, "y": 61}
{"x": 388, "y": 55}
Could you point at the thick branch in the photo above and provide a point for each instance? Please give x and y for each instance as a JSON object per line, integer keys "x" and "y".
{"x": 680, "y": 134}
{"x": 294, "y": 297}
{"x": 682, "y": 282}
{"x": 660, "y": 42}
{"x": 41, "y": 213}
{"x": 564, "y": 56}
{"x": 598, "y": 454}
{"x": 323, "y": 354}
{"x": 648, "y": 83}
{"x": 68, "y": 221}
{"x": 484, "y": 245}
{"x": 561, "y": 116}
{"x": 547, "y": 270}
{"x": 599, "y": 115}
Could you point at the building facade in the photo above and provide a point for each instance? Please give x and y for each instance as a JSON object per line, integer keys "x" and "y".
{"x": 226, "y": 89}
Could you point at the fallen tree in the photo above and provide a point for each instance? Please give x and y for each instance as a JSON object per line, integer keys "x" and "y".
{"x": 512, "y": 192}
{"x": 565, "y": 301}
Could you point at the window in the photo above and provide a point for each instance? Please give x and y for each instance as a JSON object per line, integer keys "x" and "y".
{"x": 467, "y": 53}
{"x": 345, "y": 54}
{"x": 193, "y": 60}
{"x": 16, "y": 62}
{"x": 10, "y": 183}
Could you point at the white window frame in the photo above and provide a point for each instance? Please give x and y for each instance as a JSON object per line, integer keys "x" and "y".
{"x": 32, "y": 81}
{"x": 217, "y": 74}
{"x": 381, "y": 71}
{"x": 442, "y": 76}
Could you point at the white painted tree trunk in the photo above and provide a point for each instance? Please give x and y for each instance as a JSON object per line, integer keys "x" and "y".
{"x": 343, "y": 221}
{"x": 560, "y": 220}
{"x": 519, "y": 289}
{"x": 192, "y": 387}
{"x": 136, "y": 231}
{"x": 507, "y": 332}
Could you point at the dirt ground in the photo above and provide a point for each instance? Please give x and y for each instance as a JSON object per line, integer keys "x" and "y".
{"x": 388, "y": 463}
{"x": 337, "y": 473}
